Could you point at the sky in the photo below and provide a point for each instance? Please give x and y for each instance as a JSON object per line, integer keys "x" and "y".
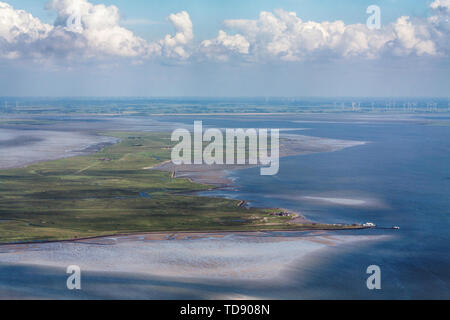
{"x": 159, "y": 48}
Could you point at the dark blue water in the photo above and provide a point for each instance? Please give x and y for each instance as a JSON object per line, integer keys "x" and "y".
{"x": 403, "y": 174}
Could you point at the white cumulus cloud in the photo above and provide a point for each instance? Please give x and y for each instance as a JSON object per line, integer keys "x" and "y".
{"x": 443, "y": 5}
{"x": 176, "y": 46}
{"x": 16, "y": 27}
{"x": 282, "y": 35}
{"x": 412, "y": 38}
{"x": 100, "y": 28}
{"x": 219, "y": 47}
{"x": 83, "y": 30}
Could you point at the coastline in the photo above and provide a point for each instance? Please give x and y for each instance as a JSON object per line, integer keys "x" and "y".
{"x": 217, "y": 176}
{"x": 293, "y": 145}
{"x": 204, "y": 233}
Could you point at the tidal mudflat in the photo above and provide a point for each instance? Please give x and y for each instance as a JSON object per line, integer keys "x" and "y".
{"x": 24, "y": 147}
{"x": 164, "y": 265}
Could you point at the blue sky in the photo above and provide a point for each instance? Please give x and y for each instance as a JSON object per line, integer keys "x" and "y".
{"x": 185, "y": 55}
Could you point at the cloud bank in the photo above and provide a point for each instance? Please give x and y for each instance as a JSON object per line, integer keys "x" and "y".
{"x": 83, "y": 31}
{"x": 284, "y": 36}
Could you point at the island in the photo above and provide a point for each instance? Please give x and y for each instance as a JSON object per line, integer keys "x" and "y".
{"x": 114, "y": 191}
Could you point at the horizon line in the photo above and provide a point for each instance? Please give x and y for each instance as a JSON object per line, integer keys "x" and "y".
{"x": 223, "y": 97}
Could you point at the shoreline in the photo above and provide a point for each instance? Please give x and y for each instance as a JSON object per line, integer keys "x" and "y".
{"x": 171, "y": 233}
{"x": 289, "y": 148}
{"x": 218, "y": 176}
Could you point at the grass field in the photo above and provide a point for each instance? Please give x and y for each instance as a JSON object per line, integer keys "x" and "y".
{"x": 110, "y": 192}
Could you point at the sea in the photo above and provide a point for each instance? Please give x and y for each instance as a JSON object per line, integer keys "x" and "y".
{"x": 400, "y": 177}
